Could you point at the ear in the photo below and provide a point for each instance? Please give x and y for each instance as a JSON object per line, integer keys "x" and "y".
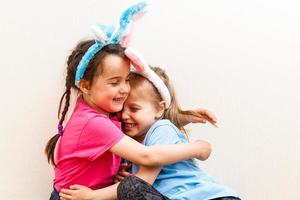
{"x": 84, "y": 86}
{"x": 160, "y": 110}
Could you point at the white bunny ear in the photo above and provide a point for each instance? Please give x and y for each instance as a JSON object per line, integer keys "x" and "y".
{"x": 141, "y": 67}
{"x": 103, "y": 32}
{"x": 100, "y": 35}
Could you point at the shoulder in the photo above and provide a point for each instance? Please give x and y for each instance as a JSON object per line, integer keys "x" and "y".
{"x": 164, "y": 132}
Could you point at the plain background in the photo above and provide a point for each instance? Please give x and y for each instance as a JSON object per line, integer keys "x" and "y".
{"x": 239, "y": 59}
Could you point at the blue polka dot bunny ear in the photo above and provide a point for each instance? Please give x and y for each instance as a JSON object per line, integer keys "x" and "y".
{"x": 103, "y": 32}
{"x": 128, "y": 17}
{"x": 141, "y": 67}
{"x": 106, "y": 34}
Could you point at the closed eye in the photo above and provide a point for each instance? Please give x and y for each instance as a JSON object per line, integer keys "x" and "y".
{"x": 115, "y": 82}
{"x": 133, "y": 109}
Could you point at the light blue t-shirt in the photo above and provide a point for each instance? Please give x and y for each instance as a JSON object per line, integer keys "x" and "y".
{"x": 185, "y": 179}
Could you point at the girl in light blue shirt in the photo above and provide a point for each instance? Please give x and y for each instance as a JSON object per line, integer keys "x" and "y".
{"x": 148, "y": 118}
{"x": 150, "y": 115}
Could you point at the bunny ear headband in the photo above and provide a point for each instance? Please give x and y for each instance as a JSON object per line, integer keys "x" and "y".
{"x": 110, "y": 35}
{"x": 141, "y": 67}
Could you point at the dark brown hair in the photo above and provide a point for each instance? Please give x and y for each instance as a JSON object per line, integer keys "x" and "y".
{"x": 93, "y": 70}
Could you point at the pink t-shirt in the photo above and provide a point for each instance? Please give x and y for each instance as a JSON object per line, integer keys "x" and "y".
{"x": 82, "y": 155}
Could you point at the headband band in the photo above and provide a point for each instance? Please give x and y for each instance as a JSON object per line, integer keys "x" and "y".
{"x": 141, "y": 67}
{"x": 109, "y": 35}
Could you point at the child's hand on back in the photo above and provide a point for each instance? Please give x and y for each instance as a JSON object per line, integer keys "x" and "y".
{"x": 76, "y": 192}
{"x": 202, "y": 117}
{"x": 123, "y": 172}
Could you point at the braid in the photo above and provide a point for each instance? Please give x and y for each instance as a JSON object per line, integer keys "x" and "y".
{"x": 89, "y": 75}
{"x": 67, "y": 94}
{"x": 50, "y": 147}
{"x": 60, "y": 103}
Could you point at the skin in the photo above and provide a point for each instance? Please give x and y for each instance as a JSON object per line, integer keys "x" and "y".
{"x": 138, "y": 115}
{"x": 109, "y": 90}
{"x": 107, "y": 94}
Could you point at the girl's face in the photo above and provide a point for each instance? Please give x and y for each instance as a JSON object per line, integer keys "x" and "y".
{"x": 138, "y": 115}
{"x": 110, "y": 89}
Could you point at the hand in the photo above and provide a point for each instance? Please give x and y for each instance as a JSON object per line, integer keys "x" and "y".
{"x": 76, "y": 192}
{"x": 204, "y": 149}
{"x": 123, "y": 172}
{"x": 202, "y": 116}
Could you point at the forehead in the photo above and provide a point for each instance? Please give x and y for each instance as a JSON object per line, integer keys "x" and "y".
{"x": 113, "y": 65}
{"x": 142, "y": 92}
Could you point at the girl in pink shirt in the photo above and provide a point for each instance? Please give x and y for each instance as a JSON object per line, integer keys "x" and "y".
{"x": 88, "y": 150}
{"x": 91, "y": 144}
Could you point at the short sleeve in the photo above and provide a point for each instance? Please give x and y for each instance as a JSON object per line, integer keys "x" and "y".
{"x": 98, "y": 136}
{"x": 163, "y": 134}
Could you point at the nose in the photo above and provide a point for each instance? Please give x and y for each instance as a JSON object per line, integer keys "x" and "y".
{"x": 125, "y": 88}
{"x": 125, "y": 114}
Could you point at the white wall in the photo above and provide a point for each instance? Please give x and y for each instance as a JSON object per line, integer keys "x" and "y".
{"x": 239, "y": 59}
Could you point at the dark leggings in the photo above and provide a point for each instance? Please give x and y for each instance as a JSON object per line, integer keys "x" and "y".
{"x": 134, "y": 188}
{"x": 227, "y": 198}
{"x": 54, "y": 195}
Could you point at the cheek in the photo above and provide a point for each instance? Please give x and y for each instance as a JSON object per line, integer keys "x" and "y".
{"x": 113, "y": 92}
{"x": 128, "y": 88}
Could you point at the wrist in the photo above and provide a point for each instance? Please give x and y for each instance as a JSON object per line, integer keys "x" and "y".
{"x": 184, "y": 119}
{"x": 92, "y": 195}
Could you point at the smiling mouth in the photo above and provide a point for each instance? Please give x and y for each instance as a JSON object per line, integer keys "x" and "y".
{"x": 128, "y": 126}
{"x": 119, "y": 100}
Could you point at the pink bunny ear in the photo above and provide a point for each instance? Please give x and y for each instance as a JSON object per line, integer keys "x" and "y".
{"x": 126, "y": 37}
{"x": 136, "y": 59}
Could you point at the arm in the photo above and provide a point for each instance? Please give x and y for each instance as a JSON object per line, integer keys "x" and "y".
{"x": 199, "y": 116}
{"x": 160, "y": 155}
{"x": 78, "y": 192}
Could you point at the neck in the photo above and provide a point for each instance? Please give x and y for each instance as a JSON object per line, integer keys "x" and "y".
{"x": 140, "y": 138}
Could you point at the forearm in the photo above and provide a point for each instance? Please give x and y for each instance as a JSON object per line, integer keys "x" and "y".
{"x": 161, "y": 154}
{"x": 168, "y": 154}
{"x": 108, "y": 193}
{"x": 183, "y": 119}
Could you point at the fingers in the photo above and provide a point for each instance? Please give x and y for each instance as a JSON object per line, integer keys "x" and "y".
{"x": 124, "y": 173}
{"x": 118, "y": 178}
{"x": 67, "y": 191}
{"x": 209, "y": 115}
{"x": 64, "y": 196}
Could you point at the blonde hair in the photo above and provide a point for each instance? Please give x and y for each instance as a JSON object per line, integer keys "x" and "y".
{"x": 172, "y": 113}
